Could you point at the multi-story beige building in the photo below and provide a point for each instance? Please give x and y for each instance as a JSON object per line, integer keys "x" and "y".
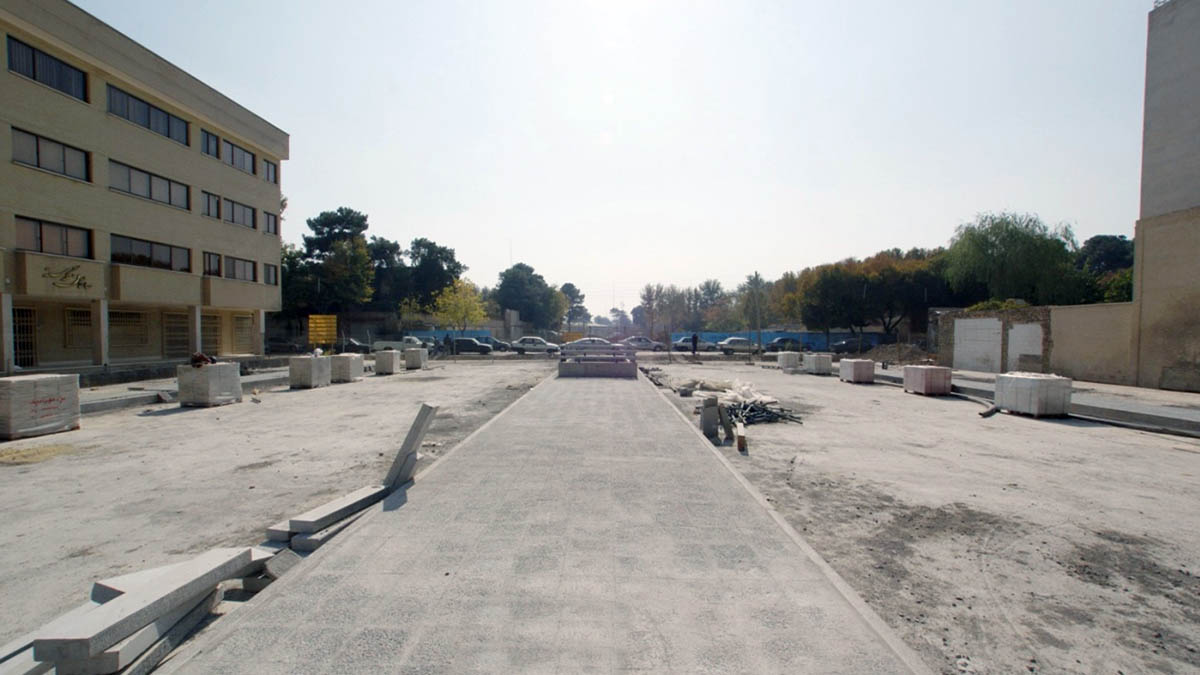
{"x": 139, "y": 207}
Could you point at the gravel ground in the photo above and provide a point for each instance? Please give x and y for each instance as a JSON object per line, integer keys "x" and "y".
{"x": 994, "y": 545}
{"x": 149, "y": 486}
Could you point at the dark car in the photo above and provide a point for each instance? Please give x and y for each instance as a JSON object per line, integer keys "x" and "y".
{"x": 352, "y": 346}
{"x": 283, "y": 346}
{"x": 496, "y": 345}
{"x": 849, "y": 346}
{"x": 465, "y": 345}
{"x": 784, "y": 344}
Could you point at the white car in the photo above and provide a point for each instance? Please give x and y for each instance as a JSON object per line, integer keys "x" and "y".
{"x": 684, "y": 344}
{"x": 587, "y": 342}
{"x": 643, "y": 343}
{"x": 533, "y": 345}
{"x": 737, "y": 344}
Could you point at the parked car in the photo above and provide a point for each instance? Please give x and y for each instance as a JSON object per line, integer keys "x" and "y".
{"x": 737, "y": 345}
{"x": 784, "y": 344}
{"x": 464, "y": 345}
{"x": 432, "y": 345}
{"x": 583, "y": 343}
{"x": 283, "y": 346}
{"x": 406, "y": 342}
{"x": 350, "y": 345}
{"x": 533, "y": 345}
{"x": 643, "y": 343}
{"x": 496, "y": 345}
{"x": 684, "y": 344}
{"x": 850, "y": 346}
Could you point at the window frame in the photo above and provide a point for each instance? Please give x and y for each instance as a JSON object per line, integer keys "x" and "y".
{"x": 37, "y": 151}
{"x": 231, "y": 209}
{"x": 59, "y": 66}
{"x": 149, "y": 182}
{"x": 209, "y": 255}
{"x": 150, "y": 248}
{"x": 270, "y": 171}
{"x": 270, "y": 223}
{"x": 125, "y": 110}
{"x": 270, "y": 274}
{"x": 232, "y": 270}
{"x": 66, "y": 229}
{"x": 232, "y": 157}
{"x": 205, "y": 136}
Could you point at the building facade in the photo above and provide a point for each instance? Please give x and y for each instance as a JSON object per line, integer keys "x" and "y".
{"x": 139, "y": 207}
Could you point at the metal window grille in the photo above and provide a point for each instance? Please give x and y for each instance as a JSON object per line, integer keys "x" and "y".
{"x": 128, "y": 329}
{"x": 25, "y": 337}
{"x": 78, "y": 332}
{"x": 243, "y": 334}
{"x": 210, "y": 334}
{"x": 175, "y": 335}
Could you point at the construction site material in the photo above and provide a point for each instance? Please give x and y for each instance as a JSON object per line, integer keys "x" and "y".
{"x": 149, "y": 660}
{"x": 858, "y": 371}
{"x": 35, "y": 405}
{"x": 1034, "y": 394}
{"x": 898, "y": 354}
{"x": 280, "y": 532}
{"x": 416, "y": 358}
{"x": 16, "y": 657}
{"x": 308, "y": 543}
{"x": 655, "y": 375}
{"x": 406, "y": 458}
{"x": 309, "y": 372}
{"x": 754, "y": 412}
{"x": 578, "y": 368}
{"x": 127, "y": 651}
{"x": 209, "y": 385}
{"x": 726, "y": 421}
{"x": 346, "y": 368}
{"x": 788, "y": 360}
{"x": 74, "y": 638}
{"x": 387, "y": 362}
{"x": 740, "y": 435}
{"x": 708, "y": 417}
{"x": 927, "y": 380}
{"x": 331, "y": 512}
{"x": 279, "y": 564}
{"x": 818, "y": 364}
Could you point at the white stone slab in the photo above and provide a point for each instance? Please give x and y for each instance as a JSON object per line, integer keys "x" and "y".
{"x": 280, "y": 563}
{"x": 1034, "y": 394}
{"x": 346, "y": 367}
{"x": 927, "y": 380}
{"x": 86, "y": 635}
{"x": 402, "y": 467}
{"x": 280, "y": 532}
{"x": 308, "y": 543}
{"x": 415, "y": 358}
{"x": 789, "y": 360}
{"x": 388, "y": 362}
{"x": 209, "y": 385}
{"x": 309, "y": 372}
{"x": 16, "y": 657}
{"x": 818, "y": 364}
{"x": 128, "y": 650}
{"x": 856, "y": 370}
{"x": 152, "y": 657}
{"x": 331, "y": 512}
{"x": 35, "y": 405}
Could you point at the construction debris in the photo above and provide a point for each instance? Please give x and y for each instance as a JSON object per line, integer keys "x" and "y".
{"x": 755, "y": 413}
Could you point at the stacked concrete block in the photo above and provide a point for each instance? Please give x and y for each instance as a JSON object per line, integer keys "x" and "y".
{"x": 626, "y": 369}
{"x": 1034, "y": 394}
{"x": 856, "y": 370}
{"x": 209, "y": 385}
{"x": 387, "y": 362}
{"x": 415, "y": 358}
{"x": 308, "y": 372}
{"x": 818, "y": 364}
{"x": 789, "y": 360}
{"x": 35, "y": 405}
{"x": 346, "y": 367}
{"x": 927, "y": 380}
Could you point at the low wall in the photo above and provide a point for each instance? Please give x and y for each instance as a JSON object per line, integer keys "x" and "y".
{"x": 1094, "y": 342}
{"x": 997, "y": 341}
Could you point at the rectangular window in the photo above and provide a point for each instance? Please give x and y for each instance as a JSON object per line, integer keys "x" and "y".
{"x": 238, "y": 213}
{"x": 212, "y": 264}
{"x": 50, "y": 155}
{"x": 78, "y": 334}
{"x": 271, "y": 171}
{"x": 134, "y": 109}
{"x": 130, "y": 251}
{"x": 236, "y": 268}
{"x": 210, "y": 144}
{"x": 151, "y": 186}
{"x": 40, "y": 66}
{"x": 36, "y": 235}
{"x": 270, "y": 274}
{"x": 128, "y": 329}
{"x": 270, "y": 223}
{"x": 237, "y": 157}
{"x": 211, "y": 205}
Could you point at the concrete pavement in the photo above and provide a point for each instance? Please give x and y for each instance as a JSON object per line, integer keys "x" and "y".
{"x": 588, "y": 528}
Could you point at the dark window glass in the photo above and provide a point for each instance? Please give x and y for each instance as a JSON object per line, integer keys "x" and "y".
{"x": 237, "y": 268}
{"x": 143, "y": 253}
{"x": 212, "y": 264}
{"x": 181, "y": 259}
{"x": 139, "y": 111}
{"x": 118, "y": 102}
{"x": 131, "y": 251}
{"x": 152, "y": 117}
{"x": 50, "y": 71}
{"x": 20, "y": 58}
{"x": 79, "y": 242}
{"x": 138, "y": 182}
{"x": 50, "y": 155}
{"x": 271, "y": 172}
{"x": 118, "y": 177}
{"x": 212, "y": 205}
{"x": 270, "y": 223}
{"x": 179, "y": 195}
{"x": 210, "y": 144}
{"x": 76, "y": 163}
{"x": 161, "y": 254}
{"x": 270, "y": 274}
{"x": 160, "y": 189}
{"x": 160, "y": 123}
{"x": 54, "y": 239}
{"x": 29, "y": 234}
{"x": 179, "y": 130}
{"x": 122, "y": 249}
{"x": 25, "y": 147}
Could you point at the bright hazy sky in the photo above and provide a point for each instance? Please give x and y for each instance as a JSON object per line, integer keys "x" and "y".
{"x": 612, "y": 143}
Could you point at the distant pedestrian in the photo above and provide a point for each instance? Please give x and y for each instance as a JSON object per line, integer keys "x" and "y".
{"x": 449, "y": 346}
{"x": 695, "y": 343}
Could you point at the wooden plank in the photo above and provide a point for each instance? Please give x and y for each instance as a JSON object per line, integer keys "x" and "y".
{"x": 327, "y": 514}
{"x": 741, "y": 437}
{"x": 86, "y": 635}
{"x": 402, "y": 467}
{"x": 726, "y": 422}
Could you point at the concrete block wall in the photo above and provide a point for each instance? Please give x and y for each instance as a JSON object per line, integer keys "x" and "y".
{"x": 387, "y": 362}
{"x": 927, "y": 380}
{"x": 1034, "y": 394}
{"x": 35, "y": 405}
{"x": 346, "y": 367}
{"x": 308, "y": 372}
{"x": 856, "y": 370}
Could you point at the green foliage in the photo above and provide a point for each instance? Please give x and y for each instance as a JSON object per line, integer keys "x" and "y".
{"x": 997, "y": 305}
{"x": 1105, "y": 253}
{"x": 524, "y": 290}
{"x": 1117, "y": 286}
{"x": 576, "y": 312}
{"x": 346, "y": 276}
{"x": 330, "y": 227}
{"x": 459, "y": 305}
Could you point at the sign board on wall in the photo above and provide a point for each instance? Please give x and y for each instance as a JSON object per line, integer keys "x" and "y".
{"x": 322, "y": 329}
{"x": 571, "y": 336}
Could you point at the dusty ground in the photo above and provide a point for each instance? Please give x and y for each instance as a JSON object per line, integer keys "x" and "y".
{"x": 148, "y": 486}
{"x": 995, "y": 545}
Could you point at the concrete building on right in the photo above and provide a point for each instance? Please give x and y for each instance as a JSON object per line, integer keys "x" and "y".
{"x": 1153, "y": 341}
